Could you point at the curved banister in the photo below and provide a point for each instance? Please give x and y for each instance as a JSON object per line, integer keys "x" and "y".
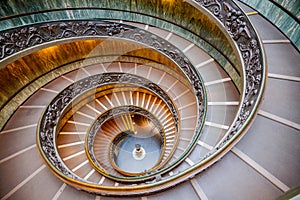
{"x": 248, "y": 46}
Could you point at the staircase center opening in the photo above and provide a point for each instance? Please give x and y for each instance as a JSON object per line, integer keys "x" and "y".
{"x": 137, "y": 150}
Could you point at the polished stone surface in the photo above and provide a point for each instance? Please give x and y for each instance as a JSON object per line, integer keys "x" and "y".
{"x": 278, "y": 16}
{"x": 22, "y": 78}
{"x": 183, "y": 17}
{"x": 269, "y": 137}
{"x": 231, "y": 178}
{"x": 281, "y": 97}
{"x": 276, "y": 150}
{"x": 293, "y": 6}
{"x": 283, "y": 59}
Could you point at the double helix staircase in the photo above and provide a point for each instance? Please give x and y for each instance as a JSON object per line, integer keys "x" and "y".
{"x": 113, "y": 101}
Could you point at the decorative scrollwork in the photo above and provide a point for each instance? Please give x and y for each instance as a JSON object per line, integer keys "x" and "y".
{"x": 240, "y": 29}
{"x": 16, "y": 40}
{"x": 213, "y": 6}
{"x": 235, "y": 22}
{"x": 108, "y": 115}
{"x": 57, "y": 106}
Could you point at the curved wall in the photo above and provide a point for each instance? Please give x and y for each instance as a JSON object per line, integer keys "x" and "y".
{"x": 175, "y": 16}
{"x": 193, "y": 26}
{"x": 283, "y": 14}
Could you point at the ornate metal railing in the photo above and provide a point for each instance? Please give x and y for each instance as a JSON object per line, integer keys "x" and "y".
{"x": 16, "y": 40}
{"x": 235, "y": 22}
{"x": 229, "y": 18}
{"x": 118, "y": 137}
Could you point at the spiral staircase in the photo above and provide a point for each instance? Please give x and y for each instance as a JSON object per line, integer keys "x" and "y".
{"x": 110, "y": 100}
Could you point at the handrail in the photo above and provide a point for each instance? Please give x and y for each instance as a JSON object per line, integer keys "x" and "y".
{"x": 121, "y": 110}
{"x": 226, "y": 61}
{"x": 103, "y": 117}
{"x": 228, "y": 15}
{"x": 46, "y": 12}
{"x": 249, "y": 47}
{"x": 49, "y": 123}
